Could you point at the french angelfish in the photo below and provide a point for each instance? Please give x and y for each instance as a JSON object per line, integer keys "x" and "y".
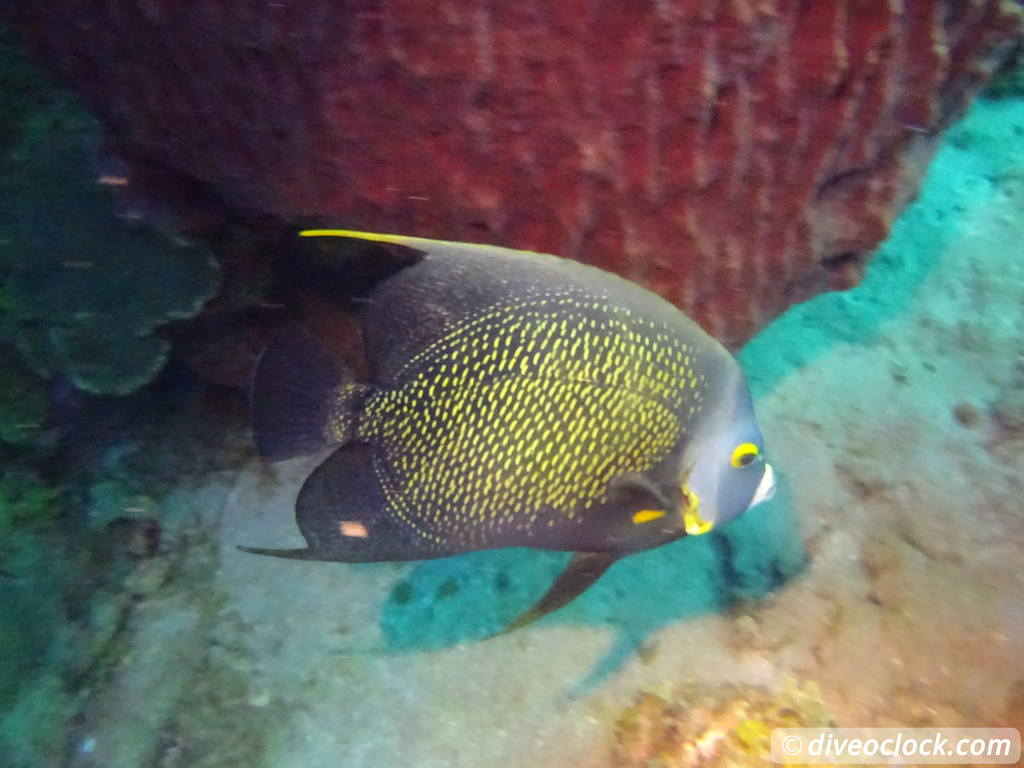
{"x": 517, "y": 400}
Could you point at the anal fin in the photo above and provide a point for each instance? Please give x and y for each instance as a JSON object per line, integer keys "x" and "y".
{"x": 583, "y": 570}
{"x": 287, "y": 554}
{"x": 344, "y": 516}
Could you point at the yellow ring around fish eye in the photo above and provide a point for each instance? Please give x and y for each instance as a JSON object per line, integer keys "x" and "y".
{"x": 744, "y": 454}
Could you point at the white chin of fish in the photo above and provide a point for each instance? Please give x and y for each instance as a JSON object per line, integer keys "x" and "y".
{"x": 766, "y": 488}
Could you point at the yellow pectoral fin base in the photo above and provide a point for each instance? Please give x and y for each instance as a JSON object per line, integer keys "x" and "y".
{"x": 646, "y": 515}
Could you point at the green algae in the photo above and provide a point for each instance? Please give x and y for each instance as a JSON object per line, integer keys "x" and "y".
{"x": 27, "y": 501}
{"x": 23, "y": 403}
{"x": 33, "y": 731}
{"x": 84, "y": 289}
{"x": 221, "y": 690}
{"x": 32, "y": 589}
{"x": 25, "y": 90}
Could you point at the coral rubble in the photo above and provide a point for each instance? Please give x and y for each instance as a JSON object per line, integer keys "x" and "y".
{"x": 716, "y": 728}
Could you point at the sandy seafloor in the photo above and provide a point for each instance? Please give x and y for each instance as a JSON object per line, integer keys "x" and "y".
{"x": 888, "y": 570}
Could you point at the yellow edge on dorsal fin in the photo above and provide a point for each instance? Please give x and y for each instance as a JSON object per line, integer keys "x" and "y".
{"x": 421, "y": 243}
{"x": 375, "y": 237}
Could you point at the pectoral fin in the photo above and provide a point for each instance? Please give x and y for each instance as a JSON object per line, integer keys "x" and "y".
{"x": 583, "y": 570}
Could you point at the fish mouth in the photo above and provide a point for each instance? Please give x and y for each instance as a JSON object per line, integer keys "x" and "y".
{"x": 766, "y": 488}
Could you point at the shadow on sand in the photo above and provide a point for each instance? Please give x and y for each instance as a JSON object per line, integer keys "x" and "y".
{"x": 441, "y": 603}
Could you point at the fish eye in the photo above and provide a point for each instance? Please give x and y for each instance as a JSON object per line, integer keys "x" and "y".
{"x": 744, "y": 454}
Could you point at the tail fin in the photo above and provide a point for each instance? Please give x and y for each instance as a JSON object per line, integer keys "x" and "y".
{"x": 297, "y": 402}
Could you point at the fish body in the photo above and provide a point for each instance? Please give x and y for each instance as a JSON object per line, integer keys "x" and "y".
{"x": 517, "y": 399}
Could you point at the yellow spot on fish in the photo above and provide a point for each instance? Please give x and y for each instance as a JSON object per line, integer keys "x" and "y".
{"x": 646, "y": 515}
{"x": 353, "y": 528}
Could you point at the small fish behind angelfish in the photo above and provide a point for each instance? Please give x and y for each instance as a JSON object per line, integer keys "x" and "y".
{"x": 518, "y": 400}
